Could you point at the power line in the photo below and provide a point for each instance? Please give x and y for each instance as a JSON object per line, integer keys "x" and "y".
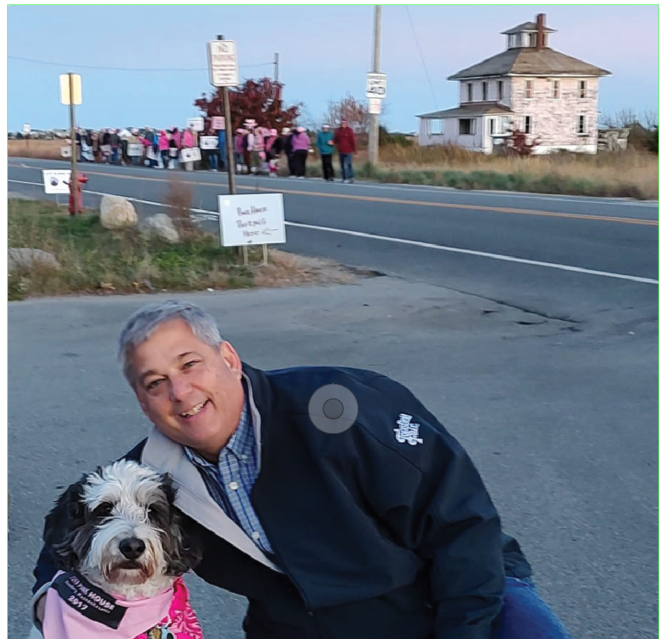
{"x": 85, "y": 66}
{"x": 424, "y": 66}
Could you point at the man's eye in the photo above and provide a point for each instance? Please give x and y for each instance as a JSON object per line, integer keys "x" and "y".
{"x": 153, "y": 384}
{"x": 190, "y": 364}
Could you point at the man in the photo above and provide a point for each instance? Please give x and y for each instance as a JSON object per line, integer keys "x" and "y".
{"x": 325, "y": 145}
{"x": 345, "y": 142}
{"x": 378, "y": 529}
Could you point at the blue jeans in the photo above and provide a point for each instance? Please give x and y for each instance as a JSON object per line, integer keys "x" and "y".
{"x": 213, "y": 160}
{"x": 346, "y": 165}
{"x": 524, "y": 615}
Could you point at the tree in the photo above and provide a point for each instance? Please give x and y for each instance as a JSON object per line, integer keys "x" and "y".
{"x": 260, "y": 100}
{"x": 355, "y": 112}
{"x": 518, "y": 144}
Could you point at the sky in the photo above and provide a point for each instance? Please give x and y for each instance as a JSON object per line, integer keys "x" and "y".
{"x": 325, "y": 53}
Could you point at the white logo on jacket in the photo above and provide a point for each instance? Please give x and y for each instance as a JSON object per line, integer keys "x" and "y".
{"x": 407, "y": 431}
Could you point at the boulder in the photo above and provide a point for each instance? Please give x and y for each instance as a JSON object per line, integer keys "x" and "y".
{"x": 26, "y": 258}
{"x": 160, "y": 225}
{"x": 117, "y": 213}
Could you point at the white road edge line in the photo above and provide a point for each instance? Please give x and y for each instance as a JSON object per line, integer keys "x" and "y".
{"x": 397, "y": 240}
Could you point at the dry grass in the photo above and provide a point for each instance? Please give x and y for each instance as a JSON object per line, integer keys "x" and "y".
{"x": 44, "y": 149}
{"x": 94, "y": 260}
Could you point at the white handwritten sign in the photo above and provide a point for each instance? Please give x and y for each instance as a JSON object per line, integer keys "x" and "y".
{"x": 218, "y": 122}
{"x": 208, "y": 142}
{"x": 197, "y": 124}
{"x": 65, "y": 151}
{"x": 251, "y": 219}
{"x": 56, "y": 181}
{"x": 134, "y": 150}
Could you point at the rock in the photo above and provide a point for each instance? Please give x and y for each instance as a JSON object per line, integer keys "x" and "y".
{"x": 26, "y": 258}
{"x": 160, "y": 225}
{"x": 117, "y": 213}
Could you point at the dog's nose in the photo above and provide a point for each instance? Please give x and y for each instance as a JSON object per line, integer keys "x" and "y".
{"x": 132, "y": 547}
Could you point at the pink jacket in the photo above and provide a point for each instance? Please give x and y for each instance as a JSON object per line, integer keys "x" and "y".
{"x": 70, "y": 599}
{"x": 300, "y": 142}
{"x": 189, "y": 140}
{"x": 163, "y": 141}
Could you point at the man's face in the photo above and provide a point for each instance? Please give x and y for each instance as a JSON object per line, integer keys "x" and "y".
{"x": 190, "y": 391}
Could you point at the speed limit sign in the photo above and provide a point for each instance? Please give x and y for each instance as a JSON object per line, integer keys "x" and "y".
{"x": 376, "y": 85}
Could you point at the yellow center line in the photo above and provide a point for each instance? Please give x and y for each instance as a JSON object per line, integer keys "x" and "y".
{"x": 387, "y": 200}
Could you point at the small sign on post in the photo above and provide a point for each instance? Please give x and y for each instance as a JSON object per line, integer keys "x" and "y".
{"x": 56, "y": 181}
{"x": 65, "y": 92}
{"x": 376, "y": 85}
{"x": 374, "y": 106}
{"x": 251, "y": 219}
{"x": 223, "y": 64}
{"x": 27, "y": 129}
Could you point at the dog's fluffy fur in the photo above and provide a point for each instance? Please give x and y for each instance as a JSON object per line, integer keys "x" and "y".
{"x": 120, "y": 502}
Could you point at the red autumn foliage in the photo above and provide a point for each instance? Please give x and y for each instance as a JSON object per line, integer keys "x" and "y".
{"x": 255, "y": 99}
{"x": 518, "y": 143}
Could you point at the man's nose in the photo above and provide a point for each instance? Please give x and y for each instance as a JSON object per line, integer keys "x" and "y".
{"x": 179, "y": 388}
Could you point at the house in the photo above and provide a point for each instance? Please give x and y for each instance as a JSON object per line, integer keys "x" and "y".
{"x": 548, "y": 95}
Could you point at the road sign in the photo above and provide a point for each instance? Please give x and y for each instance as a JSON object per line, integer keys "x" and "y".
{"x": 376, "y": 85}
{"x": 26, "y": 129}
{"x": 374, "y": 106}
{"x": 251, "y": 219}
{"x": 223, "y": 64}
{"x": 77, "y": 89}
{"x": 55, "y": 181}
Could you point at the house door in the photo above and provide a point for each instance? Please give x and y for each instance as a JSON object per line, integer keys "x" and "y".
{"x": 490, "y": 129}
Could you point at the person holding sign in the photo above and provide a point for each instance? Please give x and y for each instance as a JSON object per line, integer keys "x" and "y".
{"x": 372, "y": 525}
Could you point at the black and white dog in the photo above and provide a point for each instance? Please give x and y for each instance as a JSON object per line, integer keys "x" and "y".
{"x": 117, "y": 539}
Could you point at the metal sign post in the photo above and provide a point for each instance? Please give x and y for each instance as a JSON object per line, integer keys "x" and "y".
{"x": 71, "y": 94}
{"x": 224, "y": 72}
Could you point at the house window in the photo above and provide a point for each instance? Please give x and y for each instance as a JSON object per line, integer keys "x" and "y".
{"x": 437, "y": 127}
{"x": 500, "y": 89}
{"x": 529, "y": 88}
{"x": 582, "y": 89}
{"x": 582, "y": 128}
{"x": 527, "y": 124}
{"x": 556, "y": 89}
{"x": 533, "y": 39}
{"x": 466, "y": 126}
{"x": 485, "y": 91}
{"x": 470, "y": 92}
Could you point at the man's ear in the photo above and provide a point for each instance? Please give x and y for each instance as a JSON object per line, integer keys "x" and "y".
{"x": 231, "y": 357}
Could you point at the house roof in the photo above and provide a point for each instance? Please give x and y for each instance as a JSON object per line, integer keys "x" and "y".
{"x": 529, "y": 61}
{"x": 526, "y": 26}
{"x": 469, "y": 110}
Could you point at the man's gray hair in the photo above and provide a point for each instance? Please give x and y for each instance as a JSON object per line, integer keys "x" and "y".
{"x": 146, "y": 320}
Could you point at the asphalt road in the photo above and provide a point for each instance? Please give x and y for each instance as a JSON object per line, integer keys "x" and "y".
{"x": 548, "y": 376}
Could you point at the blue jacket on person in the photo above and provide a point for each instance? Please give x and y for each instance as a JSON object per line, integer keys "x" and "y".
{"x": 323, "y": 139}
{"x": 383, "y": 530}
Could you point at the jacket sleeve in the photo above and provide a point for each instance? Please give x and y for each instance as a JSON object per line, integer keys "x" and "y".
{"x": 45, "y": 569}
{"x": 426, "y": 492}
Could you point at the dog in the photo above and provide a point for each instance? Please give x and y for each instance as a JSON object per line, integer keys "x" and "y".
{"x": 120, "y": 548}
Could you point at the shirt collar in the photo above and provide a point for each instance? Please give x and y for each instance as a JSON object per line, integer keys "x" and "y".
{"x": 239, "y": 443}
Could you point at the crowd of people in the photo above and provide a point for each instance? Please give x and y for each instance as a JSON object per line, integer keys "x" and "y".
{"x": 257, "y": 149}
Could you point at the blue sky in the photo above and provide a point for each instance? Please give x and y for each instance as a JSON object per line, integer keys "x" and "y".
{"x": 325, "y": 52}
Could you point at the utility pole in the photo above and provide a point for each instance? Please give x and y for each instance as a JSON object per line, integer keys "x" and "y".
{"x": 73, "y": 185}
{"x": 277, "y": 68}
{"x": 229, "y": 143}
{"x": 373, "y": 143}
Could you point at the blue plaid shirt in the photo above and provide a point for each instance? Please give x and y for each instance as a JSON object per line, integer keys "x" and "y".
{"x": 230, "y": 482}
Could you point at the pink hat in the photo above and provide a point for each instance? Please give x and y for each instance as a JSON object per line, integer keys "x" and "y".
{"x": 273, "y": 132}
{"x": 301, "y": 129}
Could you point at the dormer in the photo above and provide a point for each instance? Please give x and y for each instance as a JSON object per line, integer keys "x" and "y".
{"x": 529, "y": 35}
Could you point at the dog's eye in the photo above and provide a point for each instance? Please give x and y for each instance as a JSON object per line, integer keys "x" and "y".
{"x": 103, "y": 510}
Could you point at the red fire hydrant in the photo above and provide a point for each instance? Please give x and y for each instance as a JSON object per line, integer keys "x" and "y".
{"x": 82, "y": 179}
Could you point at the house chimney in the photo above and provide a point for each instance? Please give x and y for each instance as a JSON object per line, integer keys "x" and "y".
{"x": 541, "y": 32}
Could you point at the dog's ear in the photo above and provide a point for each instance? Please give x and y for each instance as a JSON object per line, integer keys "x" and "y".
{"x": 182, "y": 547}
{"x": 61, "y": 525}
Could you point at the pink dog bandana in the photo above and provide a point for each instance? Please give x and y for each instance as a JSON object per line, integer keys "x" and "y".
{"x": 76, "y": 608}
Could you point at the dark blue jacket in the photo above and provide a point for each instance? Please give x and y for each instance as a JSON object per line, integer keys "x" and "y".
{"x": 377, "y": 538}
